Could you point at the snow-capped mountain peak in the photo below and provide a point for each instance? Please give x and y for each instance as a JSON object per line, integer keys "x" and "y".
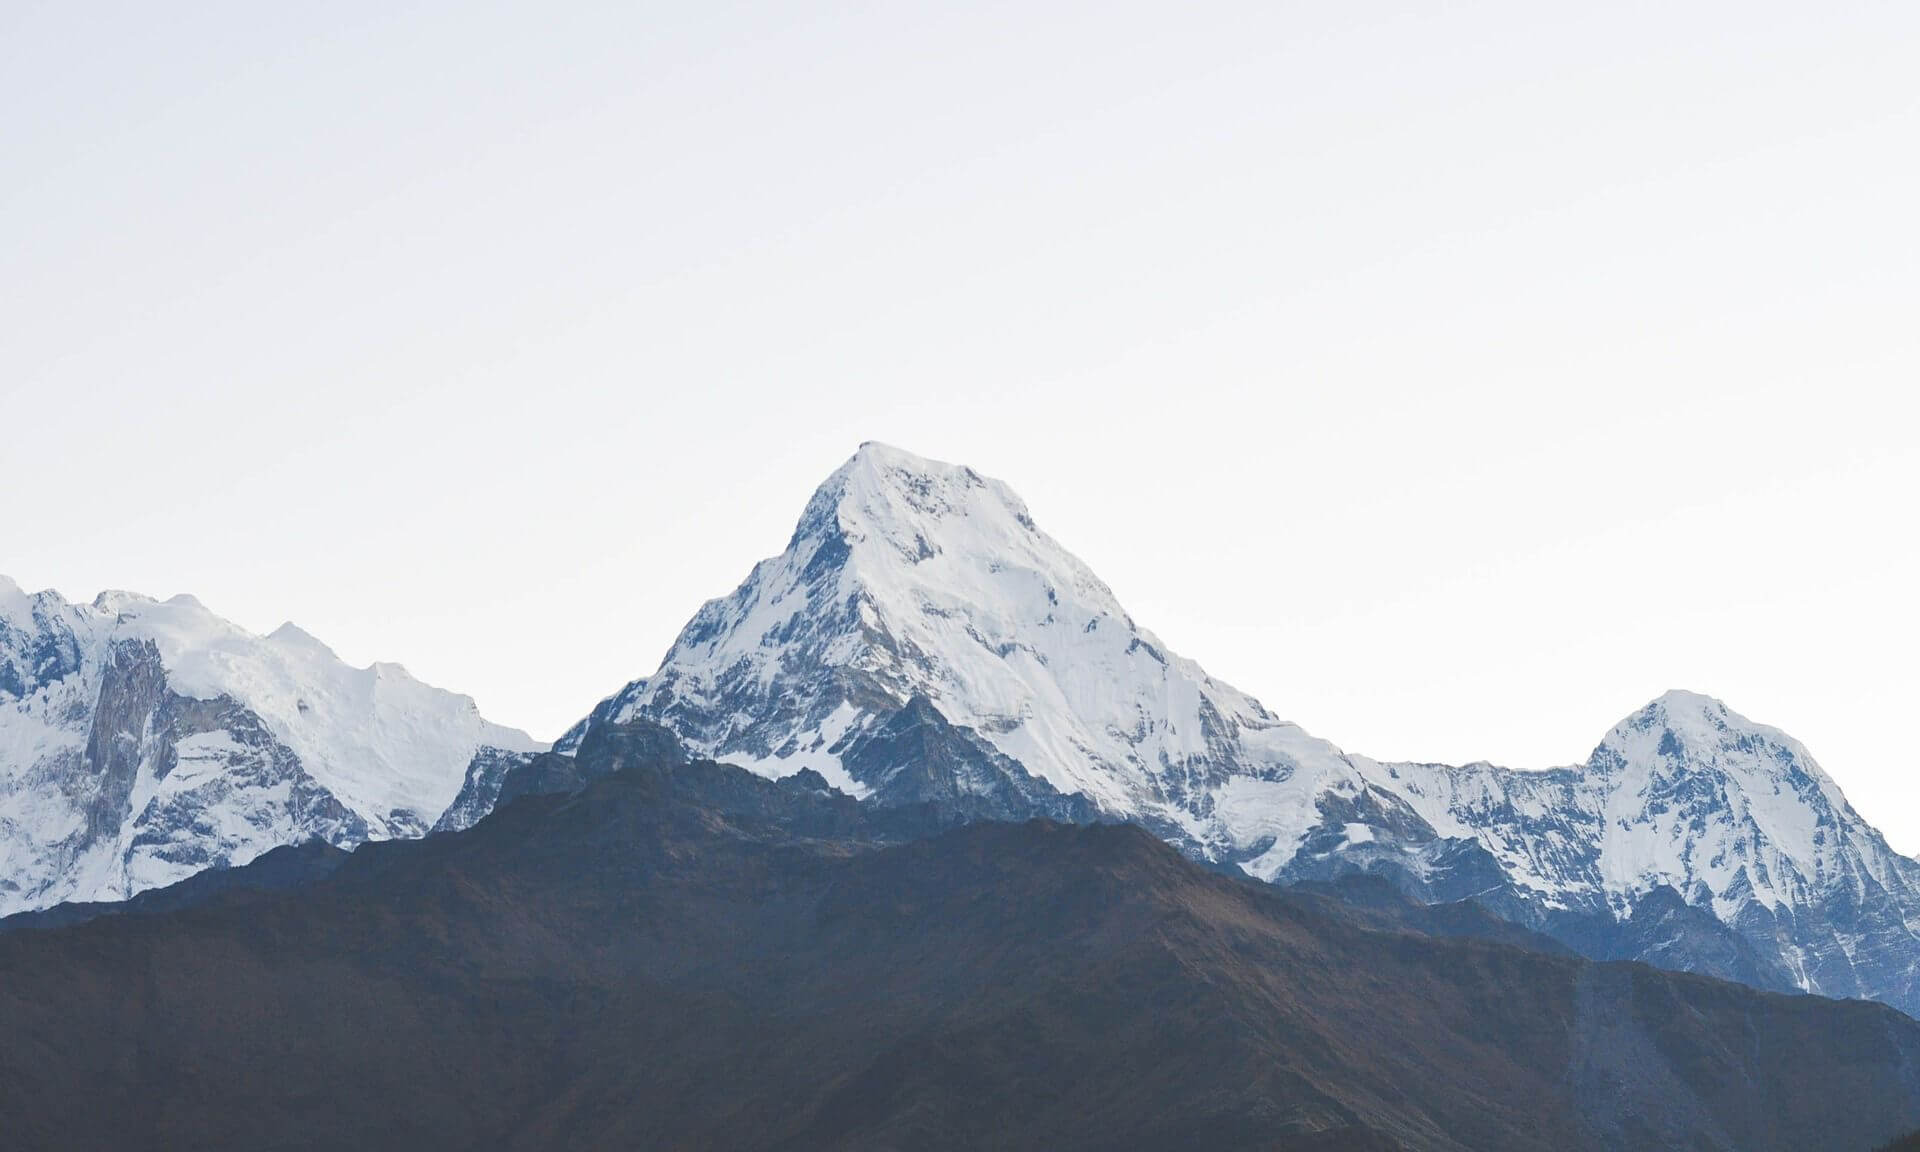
{"x": 910, "y": 578}
{"x": 1679, "y": 730}
{"x": 1705, "y": 800}
{"x": 895, "y": 511}
{"x": 144, "y": 739}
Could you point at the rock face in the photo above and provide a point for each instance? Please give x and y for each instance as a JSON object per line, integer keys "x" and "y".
{"x": 496, "y": 777}
{"x": 922, "y": 640}
{"x": 480, "y": 788}
{"x": 142, "y": 741}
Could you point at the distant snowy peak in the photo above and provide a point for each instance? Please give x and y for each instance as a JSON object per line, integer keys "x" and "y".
{"x": 1732, "y": 817}
{"x": 1700, "y": 797}
{"x": 1684, "y": 793}
{"x": 142, "y": 740}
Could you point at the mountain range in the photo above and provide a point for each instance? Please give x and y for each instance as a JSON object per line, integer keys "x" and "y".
{"x": 922, "y": 644}
{"x": 668, "y": 952}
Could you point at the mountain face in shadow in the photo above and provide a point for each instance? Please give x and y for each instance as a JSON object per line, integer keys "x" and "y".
{"x": 681, "y": 954}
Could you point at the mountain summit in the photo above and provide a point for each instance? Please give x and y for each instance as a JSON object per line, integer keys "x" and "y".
{"x": 922, "y": 641}
{"x": 912, "y": 579}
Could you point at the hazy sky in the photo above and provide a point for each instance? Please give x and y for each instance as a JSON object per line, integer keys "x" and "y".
{"x": 1455, "y": 378}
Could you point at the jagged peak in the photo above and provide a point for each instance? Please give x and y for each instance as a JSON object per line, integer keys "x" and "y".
{"x": 885, "y": 513}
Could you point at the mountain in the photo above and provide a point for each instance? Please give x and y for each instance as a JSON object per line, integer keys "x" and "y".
{"x": 679, "y": 953}
{"x": 142, "y": 741}
{"x": 921, "y": 638}
{"x": 1689, "y": 813}
{"x": 911, "y": 580}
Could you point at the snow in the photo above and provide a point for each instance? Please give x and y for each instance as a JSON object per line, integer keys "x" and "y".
{"x": 814, "y": 753}
{"x": 1252, "y": 810}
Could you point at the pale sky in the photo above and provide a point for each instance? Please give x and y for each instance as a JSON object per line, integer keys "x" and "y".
{"x": 1454, "y": 378}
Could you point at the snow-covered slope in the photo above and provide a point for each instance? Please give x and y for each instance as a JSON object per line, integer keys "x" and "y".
{"x": 143, "y": 740}
{"x": 916, "y": 596}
